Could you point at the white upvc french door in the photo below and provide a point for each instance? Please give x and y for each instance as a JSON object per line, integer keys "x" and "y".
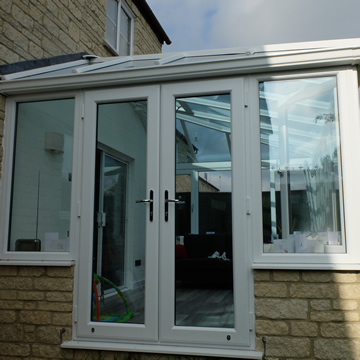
{"x": 184, "y": 149}
{"x": 202, "y": 162}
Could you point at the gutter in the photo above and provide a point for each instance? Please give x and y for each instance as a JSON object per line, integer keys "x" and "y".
{"x": 146, "y": 11}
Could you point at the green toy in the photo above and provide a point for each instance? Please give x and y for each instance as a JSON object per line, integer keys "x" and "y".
{"x": 120, "y": 318}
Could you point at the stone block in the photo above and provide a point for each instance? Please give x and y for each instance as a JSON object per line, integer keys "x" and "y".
{"x": 35, "y": 317}
{"x": 289, "y": 276}
{"x": 303, "y": 328}
{"x": 9, "y": 349}
{"x": 8, "y": 294}
{"x": 351, "y": 316}
{"x": 288, "y": 347}
{"x": 16, "y": 283}
{"x": 15, "y": 36}
{"x": 281, "y": 309}
{"x": 30, "y": 295}
{"x": 64, "y": 319}
{"x": 7, "y": 270}
{"x": 54, "y": 306}
{"x": 320, "y": 304}
{"x": 340, "y": 330}
{"x": 317, "y": 276}
{"x": 49, "y": 284}
{"x": 345, "y": 305}
{"x": 11, "y": 305}
{"x": 327, "y": 316}
{"x": 46, "y": 351}
{"x": 9, "y": 333}
{"x": 60, "y": 271}
{"x": 335, "y": 349}
{"x": 261, "y": 275}
{"x": 313, "y": 291}
{"x": 59, "y": 296}
{"x": 343, "y": 277}
{"x": 24, "y": 19}
{"x": 48, "y": 334}
{"x": 349, "y": 291}
{"x": 271, "y": 327}
{"x": 270, "y": 289}
{"x": 7, "y": 317}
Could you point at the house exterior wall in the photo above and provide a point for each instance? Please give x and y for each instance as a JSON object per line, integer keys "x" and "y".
{"x": 308, "y": 314}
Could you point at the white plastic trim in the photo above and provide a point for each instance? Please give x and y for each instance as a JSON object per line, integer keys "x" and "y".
{"x": 163, "y": 349}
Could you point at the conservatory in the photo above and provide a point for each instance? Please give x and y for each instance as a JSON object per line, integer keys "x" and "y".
{"x": 166, "y": 179}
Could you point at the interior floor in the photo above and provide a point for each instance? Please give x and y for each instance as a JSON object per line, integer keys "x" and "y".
{"x": 194, "y": 306}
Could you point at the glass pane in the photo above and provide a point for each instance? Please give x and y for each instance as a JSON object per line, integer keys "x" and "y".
{"x": 120, "y": 222}
{"x": 203, "y": 129}
{"x": 40, "y": 204}
{"x": 301, "y": 169}
{"x": 203, "y": 249}
{"x": 125, "y": 25}
{"x": 111, "y": 22}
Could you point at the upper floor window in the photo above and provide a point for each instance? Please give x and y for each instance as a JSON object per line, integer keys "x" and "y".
{"x": 119, "y": 24}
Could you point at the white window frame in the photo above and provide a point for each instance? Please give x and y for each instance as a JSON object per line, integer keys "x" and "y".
{"x": 65, "y": 258}
{"x": 116, "y": 50}
{"x": 347, "y": 90}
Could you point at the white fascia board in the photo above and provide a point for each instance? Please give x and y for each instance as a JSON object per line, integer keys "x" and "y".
{"x": 207, "y": 68}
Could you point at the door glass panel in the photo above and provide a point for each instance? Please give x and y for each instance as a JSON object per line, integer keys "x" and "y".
{"x": 203, "y": 225}
{"x": 119, "y": 223}
{"x": 301, "y": 169}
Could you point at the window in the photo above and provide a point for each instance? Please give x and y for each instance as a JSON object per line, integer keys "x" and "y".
{"x": 306, "y": 199}
{"x": 119, "y": 27}
{"x": 301, "y": 166}
{"x": 40, "y": 201}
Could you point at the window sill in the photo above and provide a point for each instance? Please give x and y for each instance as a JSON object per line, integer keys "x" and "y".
{"x": 305, "y": 266}
{"x": 37, "y": 262}
{"x": 163, "y": 349}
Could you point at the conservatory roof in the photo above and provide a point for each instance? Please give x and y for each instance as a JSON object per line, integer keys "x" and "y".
{"x": 92, "y": 71}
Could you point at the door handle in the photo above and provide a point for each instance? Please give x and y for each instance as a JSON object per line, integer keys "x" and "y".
{"x": 151, "y": 202}
{"x": 167, "y": 201}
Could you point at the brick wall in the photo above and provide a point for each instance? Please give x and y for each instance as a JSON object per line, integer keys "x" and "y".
{"x": 308, "y": 314}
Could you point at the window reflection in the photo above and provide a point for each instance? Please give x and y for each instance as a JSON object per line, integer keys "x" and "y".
{"x": 203, "y": 249}
{"x": 301, "y": 170}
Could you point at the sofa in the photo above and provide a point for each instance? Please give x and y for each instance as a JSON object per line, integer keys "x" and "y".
{"x": 205, "y": 260}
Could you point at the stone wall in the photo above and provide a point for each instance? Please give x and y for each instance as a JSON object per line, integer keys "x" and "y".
{"x": 308, "y": 314}
{"x": 303, "y": 315}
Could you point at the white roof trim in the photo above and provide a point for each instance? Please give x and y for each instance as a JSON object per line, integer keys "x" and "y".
{"x": 103, "y": 65}
{"x": 141, "y": 69}
{"x": 43, "y": 70}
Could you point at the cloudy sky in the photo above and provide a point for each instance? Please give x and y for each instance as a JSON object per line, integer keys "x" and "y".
{"x": 212, "y": 24}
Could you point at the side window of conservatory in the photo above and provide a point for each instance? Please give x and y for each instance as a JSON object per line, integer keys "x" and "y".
{"x": 42, "y": 174}
{"x": 302, "y": 198}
